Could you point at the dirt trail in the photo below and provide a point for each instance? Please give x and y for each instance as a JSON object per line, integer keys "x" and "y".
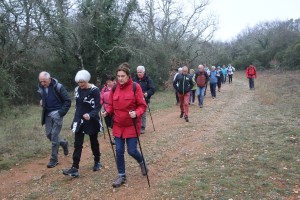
{"x": 166, "y": 150}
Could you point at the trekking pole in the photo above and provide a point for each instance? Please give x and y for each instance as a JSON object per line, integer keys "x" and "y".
{"x": 111, "y": 143}
{"x": 102, "y": 127}
{"x": 151, "y": 116}
{"x": 137, "y": 135}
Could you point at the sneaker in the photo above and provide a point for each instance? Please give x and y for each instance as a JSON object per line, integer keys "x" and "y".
{"x": 65, "y": 147}
{"x": 186, "y": 119}
{"x": 73, "y": 172}
{"x": 144, "y": 169}
{"x": 181, "y": 115}
{"x": 142, "y": 131}
{"x": 201, "y": 106}
{"x": 52, "y": 163}
{"x": 97, "y": 166}
{"x": 121, "y": 180}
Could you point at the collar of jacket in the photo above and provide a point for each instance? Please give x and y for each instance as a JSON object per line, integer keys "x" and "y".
{"x": 126, "y": 83}
{"x": 144, "y": 77}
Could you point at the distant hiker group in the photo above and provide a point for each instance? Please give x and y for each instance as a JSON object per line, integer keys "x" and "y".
{"x": 122, "y": 102}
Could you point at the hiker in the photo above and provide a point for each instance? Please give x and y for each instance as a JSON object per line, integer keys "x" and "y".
{"x": 219, "y": 77}
{"x": 201, "y": 80}
{"x": 230, "y": 70}
{"x": 104, "y": 96}
{"x": 183, "y": 83}
{"x": 56, "y": 103}
{"x": 206, "y": 69}
{"x": 86, "y": 121}
{"x": 213, "y": 80}
{"x": 126, "y": 103}
{"x": 251, "y": 75}
{"x": 224, "y": 71}
{"x": 148, "y": 89}
{"x": 176, "y": 93}
{"x": 193, "y": 90}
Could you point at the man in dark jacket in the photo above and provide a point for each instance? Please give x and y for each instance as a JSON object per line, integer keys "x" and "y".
{"x": 183, "y": 83}
{"x": 148, "y": 90}
{"x": 56, "y": 103}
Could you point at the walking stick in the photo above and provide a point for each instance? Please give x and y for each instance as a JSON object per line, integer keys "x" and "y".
{"x": 111, "y": 143}
{"x": 102, "y": 127}
{"x": 137, "y": 135}
{"x": 151, "y": 116}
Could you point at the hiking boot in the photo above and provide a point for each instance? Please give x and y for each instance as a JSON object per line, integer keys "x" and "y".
{"x": 181, "y": 115}
{"x": 186, "y": 119}
{"x": 52, "y": 163}
{"x": 142, "y": 130}
{"x": 144, "y": 168}
{"x": 121, "y": 180}
{"x": 73, "y": 172}
{"x": 97, "y": 166}
{"x": 201, "y": 106}
{"x": 65, "y": 147}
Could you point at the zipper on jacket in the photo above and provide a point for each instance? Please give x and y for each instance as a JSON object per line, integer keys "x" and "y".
{"x": 183, "y": 84}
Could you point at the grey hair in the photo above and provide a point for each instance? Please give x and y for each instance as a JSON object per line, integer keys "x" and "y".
{"x": 213, "y": 67}
{"x": 45, "y": 74}
{"x": 141, "y": 68}
{"x": 82, "y": 75}
{"x": 185, "y": 67}
{"x": 200, "y": 66}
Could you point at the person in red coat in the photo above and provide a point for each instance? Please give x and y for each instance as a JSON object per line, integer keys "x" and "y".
{"x": 125, "y": 104}
{"x": 251, "y": 74}
{"x": 104, "y": 96}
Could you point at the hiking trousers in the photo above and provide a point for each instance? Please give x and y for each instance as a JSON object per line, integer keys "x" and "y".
{"x": 131, "y": 149}
{"x": 184, "y": 103}
{"x": 200, "y": 94}
{"x": 53, "y": 125}
{"x": 78, "y": 145}
{"x": 251, "y": 83}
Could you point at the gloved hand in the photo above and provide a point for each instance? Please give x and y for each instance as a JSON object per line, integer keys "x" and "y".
{"x": 74, "y": 127}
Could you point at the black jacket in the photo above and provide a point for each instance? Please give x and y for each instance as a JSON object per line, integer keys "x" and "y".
{"x": 89, "y": 103}
{"x": 183, "y": 83}
{"x": 146, "y": 85}
{"x": 60, "y": 93}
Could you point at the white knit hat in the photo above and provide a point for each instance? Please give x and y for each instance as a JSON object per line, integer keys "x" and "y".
{"x": 82, "y": 75}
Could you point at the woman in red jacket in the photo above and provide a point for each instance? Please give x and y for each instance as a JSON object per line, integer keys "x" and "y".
{"x": 126, "y": 102}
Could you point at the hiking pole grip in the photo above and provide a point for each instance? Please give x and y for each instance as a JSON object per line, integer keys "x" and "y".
{"x": 138, "y": 139}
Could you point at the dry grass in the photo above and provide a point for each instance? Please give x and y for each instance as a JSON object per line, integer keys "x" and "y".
{"x": 255, "y": 156}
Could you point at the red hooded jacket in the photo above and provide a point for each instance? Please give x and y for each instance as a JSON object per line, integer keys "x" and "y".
{"x": 251, "y": 71}
{"x": 121, "y": 101}
{"x": 105, "y": 92}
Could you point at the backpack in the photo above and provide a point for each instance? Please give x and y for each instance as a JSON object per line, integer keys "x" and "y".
{"x": 201, "y": 79}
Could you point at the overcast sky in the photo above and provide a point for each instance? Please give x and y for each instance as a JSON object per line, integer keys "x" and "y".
{"x": 236, "y": 15}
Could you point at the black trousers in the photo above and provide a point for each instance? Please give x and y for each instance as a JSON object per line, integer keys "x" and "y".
{"x": 78, "y": 145}
{"x": 230, "y": 78}
{"x": 251, "y": 83}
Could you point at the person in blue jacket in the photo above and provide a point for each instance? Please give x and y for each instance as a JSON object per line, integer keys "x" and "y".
{"x": 213, "y": 80}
